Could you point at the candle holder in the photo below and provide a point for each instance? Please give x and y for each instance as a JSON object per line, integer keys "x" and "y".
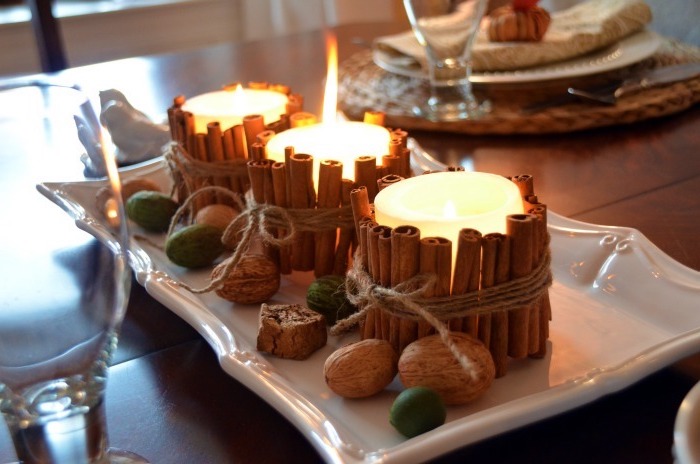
{"x": 496, "y": 291}
{"x": 236, "y": 159}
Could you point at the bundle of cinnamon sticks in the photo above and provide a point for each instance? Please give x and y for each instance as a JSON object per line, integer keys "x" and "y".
{"x": 235, "y": 158}
{"x": 392, "y": 256}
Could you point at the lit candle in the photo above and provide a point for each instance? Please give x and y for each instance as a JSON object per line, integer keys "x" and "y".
{"x": 442, "y": 203}
{"x": 342, "y": 141}
{"x": 228, "y": 107}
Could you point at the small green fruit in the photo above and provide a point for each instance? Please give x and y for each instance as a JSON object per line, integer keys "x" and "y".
{"x": 417, "y": 410}
{"x": 151, "y": 210}
{"x": 326, "y": 295}
{"x": 197, "y": 245}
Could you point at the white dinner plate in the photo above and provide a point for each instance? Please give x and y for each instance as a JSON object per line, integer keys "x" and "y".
{"x": 629, "y": 50}
{"x": 612, "y": 326}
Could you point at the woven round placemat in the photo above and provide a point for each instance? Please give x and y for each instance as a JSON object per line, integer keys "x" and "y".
{"x": 364, "y": 86}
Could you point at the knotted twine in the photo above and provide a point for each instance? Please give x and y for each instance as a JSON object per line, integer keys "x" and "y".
{"x": 259, "y": 221}
{"x": 406, "y": 300}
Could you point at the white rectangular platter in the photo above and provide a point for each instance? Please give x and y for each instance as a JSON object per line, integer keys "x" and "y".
{"x": 622, "y": 309}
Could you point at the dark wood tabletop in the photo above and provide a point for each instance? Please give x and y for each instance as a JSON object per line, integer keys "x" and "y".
{"x": 169, "y": 400}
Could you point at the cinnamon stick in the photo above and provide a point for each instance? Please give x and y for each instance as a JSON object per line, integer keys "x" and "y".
{"x": 496, "y": 264}
{"x": 385, "y": 280}
{"x": 372, "y": 324}
{"x": 279, "y": 181}
{"x": 264, "y": 136}
{"x": 329, "y": 184}
{"x": 405, "y": 263}
{"x": 521, "y": 229}
{"x": 215, "y": 153}
{"x": 466, "y": 275}
{"x": 393, "y": 164}
{"x": 239, "y": 142}
{"x": 345, "y": 236}
{"x": 189, "y": 132}
{"x": 253, "y": 124}
{"x": 366, "y": 223}
{"x": 366, "y": 174}
{"x": 543, "y": 306}
{"x": 387, "y": 180}
{"x": 295, "y": 103}
{"x": 301, "y": 119}
{"x": 374, "y": 117}
{"x": 302, "y": 196}
{"x": 281, "y": 88}
{"x": 256, "y": 151}
{"x": 435, "y": 258}
{"x": 359, "y": 199}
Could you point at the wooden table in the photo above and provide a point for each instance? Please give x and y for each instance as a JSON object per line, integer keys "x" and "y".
{"x": 169, "y": 400}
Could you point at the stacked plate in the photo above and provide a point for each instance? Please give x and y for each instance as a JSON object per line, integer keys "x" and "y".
{"x": 629, "y": 50}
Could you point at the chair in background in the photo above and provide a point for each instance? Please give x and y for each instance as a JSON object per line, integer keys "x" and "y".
{"x": 48, "y": 36}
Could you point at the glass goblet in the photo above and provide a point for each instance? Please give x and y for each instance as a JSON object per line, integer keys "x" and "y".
{"x": 64, "y": 290}
{"x": 446, "y": 29}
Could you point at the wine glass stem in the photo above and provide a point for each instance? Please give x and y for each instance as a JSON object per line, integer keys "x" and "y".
{"x": 76, "y": 439}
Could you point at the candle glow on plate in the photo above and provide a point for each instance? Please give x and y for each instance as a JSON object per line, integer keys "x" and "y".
{"x": 331, "y": 139}
{"x": 229, "y": 107}
{"x": 441, "y": 204}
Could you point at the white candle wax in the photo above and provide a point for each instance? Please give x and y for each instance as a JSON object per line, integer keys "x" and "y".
{"x": 338, "y": 141}
{"x": 441, "y": 204}
{"x": 229, "y": 107}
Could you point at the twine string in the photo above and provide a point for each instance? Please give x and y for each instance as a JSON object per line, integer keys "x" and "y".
{"x": 406, "y": 300}
{"x": 260, "y": 221}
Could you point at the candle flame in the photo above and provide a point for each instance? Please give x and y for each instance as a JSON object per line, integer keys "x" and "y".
{"x": 239, "y": 99}
{"x": 449, "y": 210}
{"x": 330, "y": 96}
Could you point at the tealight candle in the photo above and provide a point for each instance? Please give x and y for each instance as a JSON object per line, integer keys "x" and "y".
{"x": 229, "y": 107}
{"x": 335, "y": 140}
{"x": 441, "y": 204}
{"x": 338, "y": 141}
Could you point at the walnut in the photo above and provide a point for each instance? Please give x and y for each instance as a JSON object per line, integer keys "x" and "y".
{"x": 361, "y": 369}
{"x": 254, "y": 280}
{"x": 428, "y": 362}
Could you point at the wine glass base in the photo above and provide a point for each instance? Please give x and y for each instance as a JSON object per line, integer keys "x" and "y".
{"x": 117, "y": 456}
{"x": 451, "y": 112}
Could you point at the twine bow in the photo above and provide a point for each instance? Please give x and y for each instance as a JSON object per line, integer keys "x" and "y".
{"x": 260, "y": 221}
{"x": 406, "y": 300}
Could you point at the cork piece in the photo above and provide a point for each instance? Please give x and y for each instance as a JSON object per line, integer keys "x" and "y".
{"x": 290, "y": 331}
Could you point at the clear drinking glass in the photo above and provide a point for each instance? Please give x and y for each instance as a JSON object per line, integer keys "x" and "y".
{"x": 447, "y": 29}
{"x": 64, "y": 290}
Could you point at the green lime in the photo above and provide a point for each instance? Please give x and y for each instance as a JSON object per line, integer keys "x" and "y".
{"x": 151, "y": 210}
{"x": 417, "y": 410}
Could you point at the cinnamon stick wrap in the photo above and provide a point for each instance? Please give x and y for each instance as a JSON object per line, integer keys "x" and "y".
{"x": 521, "y": 229}
{"x": 302, "y": 196}
{"x": 329, "y": 190}
{"x": 435, "y": 258}
{"x": 366, "y": 174}
{"x": 496, "y": 270}
{"x": 466, "y": 276}
{"x": 405, "y": 263}
{"x": 279, "y": 185}
{"x": 345, "y": 235}
{"x": 373, "y": 324}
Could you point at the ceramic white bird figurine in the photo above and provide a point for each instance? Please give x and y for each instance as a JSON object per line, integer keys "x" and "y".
{"x": 136, "y": 137}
